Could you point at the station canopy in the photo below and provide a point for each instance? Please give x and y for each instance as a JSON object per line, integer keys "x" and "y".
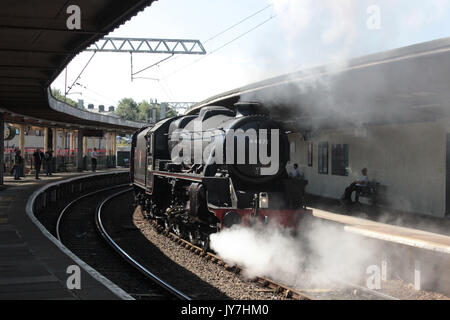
{"x": 36, "y": 46}
{"x": 409, "y": 84}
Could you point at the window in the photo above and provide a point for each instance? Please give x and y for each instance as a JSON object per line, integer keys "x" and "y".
{"x": 310, "y": 154}
{"x": 323, "y": 157}
{"x": 150, "y": 144}
{"x": 339, "y": 159}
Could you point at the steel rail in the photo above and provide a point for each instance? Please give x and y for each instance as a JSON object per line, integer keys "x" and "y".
{"x": 66, "y": 208}
{"x": 124, "y": 254}
{"x": 265, "y": 282}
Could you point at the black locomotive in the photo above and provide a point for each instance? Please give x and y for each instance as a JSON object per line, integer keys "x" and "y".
{"x": 199, "y": 173}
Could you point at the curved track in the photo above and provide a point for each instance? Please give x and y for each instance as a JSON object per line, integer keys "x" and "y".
{"x": 79, "y": 227}
{"x": 128, "y": 257}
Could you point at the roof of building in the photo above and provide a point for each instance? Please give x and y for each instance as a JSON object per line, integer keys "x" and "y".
{"x": 400, "y": 85}
{"x": 37, "y": 45}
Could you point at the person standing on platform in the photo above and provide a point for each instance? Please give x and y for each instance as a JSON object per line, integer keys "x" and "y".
{"x": 38, "y": 156}
{"x": 94, "y": 160}
{"x": 18, "y": 160}
{"x": 48, "y": 162}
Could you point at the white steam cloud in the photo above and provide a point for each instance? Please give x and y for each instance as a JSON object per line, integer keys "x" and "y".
{"x": 319, "y": 252}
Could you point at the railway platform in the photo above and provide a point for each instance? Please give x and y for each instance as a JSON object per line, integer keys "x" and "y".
{"x": 388, "y": 232}
{"x": 419, "y": 257}
{"x": 32, "y": 266}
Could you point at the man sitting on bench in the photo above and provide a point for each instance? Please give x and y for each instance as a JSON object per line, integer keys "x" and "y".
{"x": 356, "y": 186}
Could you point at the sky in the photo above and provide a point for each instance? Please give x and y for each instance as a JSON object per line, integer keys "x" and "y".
{"x": 279, "y": 36}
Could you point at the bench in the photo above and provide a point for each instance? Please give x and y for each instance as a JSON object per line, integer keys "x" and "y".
{"x": 371, "y": 192}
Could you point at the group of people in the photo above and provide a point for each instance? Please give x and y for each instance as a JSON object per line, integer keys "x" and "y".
{"x": 44, "y": 160}
{"x": 39, "y": 159}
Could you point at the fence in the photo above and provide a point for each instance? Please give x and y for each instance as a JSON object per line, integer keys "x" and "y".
{"x": 59, "y": 163}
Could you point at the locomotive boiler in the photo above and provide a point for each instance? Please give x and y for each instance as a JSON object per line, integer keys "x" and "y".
{"x": 196, "y": 174}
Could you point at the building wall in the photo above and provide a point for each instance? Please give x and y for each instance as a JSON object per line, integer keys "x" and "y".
{"x": 409, "y": 159}
{"x": 32, "y": 141}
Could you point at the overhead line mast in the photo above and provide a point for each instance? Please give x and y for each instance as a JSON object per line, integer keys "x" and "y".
{"x": 148, "y": 45}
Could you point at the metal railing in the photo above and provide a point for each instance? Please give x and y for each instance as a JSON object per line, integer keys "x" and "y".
{"x": 59, "y": 163}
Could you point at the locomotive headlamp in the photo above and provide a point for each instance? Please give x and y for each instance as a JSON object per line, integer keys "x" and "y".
{"x": 263, "y": 200}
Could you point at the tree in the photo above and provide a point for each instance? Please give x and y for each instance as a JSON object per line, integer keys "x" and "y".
{"x": 127, "y": 109}
{"x": 59, "y": 96}
{"x": 171, "y": 112}
{"x": 146, "y": 113}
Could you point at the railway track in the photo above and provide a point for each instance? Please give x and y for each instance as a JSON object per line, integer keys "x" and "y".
{"x": 264, "y": 282}
{"x": 87, "y": 229}
{"x": 145, "y": 271}
{"x": 81, "y": 229}
{"x": 340, "y": 290}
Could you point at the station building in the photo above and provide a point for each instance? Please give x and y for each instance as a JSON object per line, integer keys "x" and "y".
{"x": 388, "y": 112}
{"x": 408, "y": 159}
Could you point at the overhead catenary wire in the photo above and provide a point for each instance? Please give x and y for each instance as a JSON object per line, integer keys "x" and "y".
{"x": 214, "y": 36}
{"x": 222, "y": 46}
{"x": 155, "y": 64}
{"x": 79, "y": 75}
{"x": 237, "y": 23}
{"x": 97, "y": 94}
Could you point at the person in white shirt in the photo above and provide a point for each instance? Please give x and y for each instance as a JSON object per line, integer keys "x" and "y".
{"x": 356, "y": 185}
{"x": 294, "y": 173}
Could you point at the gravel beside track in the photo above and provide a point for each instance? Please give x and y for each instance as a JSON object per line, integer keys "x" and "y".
{"x": 235, "y": 287}
{"x": 199, "y": 278}
{"x": 405, "y": 291}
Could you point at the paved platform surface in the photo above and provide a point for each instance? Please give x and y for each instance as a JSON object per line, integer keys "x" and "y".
{"x": 31, "y": 266}
{"x": 372, "y": 229}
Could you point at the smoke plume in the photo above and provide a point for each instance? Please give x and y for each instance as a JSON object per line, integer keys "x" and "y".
{"x": 319, "y": 252}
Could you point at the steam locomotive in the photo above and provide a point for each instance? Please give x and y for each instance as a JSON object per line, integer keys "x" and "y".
{"x": 196, "y": 174}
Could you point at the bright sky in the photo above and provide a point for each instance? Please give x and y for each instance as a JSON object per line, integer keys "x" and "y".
{"x": 293, "y": 34}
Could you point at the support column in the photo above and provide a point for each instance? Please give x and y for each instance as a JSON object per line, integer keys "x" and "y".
{"x": 114, "y": 147}
{"x": 107, "y": 149}
{"x": 55, "y": 165}
{"x": 63, "y": 162}
{"x": 2, "y": 148}
{"x": 54, "y": 139}
{"x": 45, "y": 139}
{"x": 85, "y": 147}
{"x": 107, "y": 143}
{"x": 22, "y": 139}
{"x": 80, "y": 151}
{"x": 22, "y": 147}
{"x": 72, "y": 141}
{"x": 63, "y": 142}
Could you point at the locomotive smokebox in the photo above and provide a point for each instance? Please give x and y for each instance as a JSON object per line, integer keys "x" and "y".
{"x": 252, "y": 147}
{"x": 258, "y": 148}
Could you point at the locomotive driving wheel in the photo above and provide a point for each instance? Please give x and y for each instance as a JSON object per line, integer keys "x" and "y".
{"x": 204, "y": 243}
{"x": 167, "y": 225}
{"x": 179, "y": 230}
